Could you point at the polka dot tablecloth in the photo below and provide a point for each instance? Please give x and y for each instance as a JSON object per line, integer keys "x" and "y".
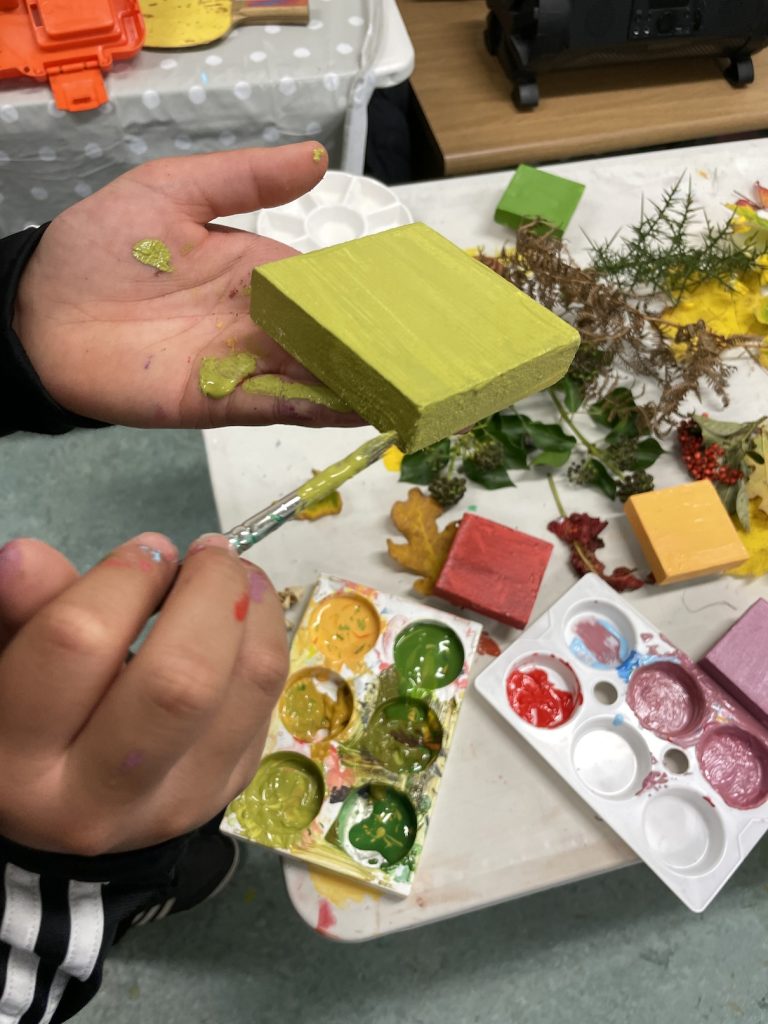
{"x": 260, "y": 86}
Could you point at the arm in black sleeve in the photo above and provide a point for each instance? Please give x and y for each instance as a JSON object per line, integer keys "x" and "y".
{"x": 24, "y": 402}
{"x": 60, "y": 915}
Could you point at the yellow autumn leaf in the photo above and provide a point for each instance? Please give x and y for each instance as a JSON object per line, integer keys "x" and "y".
{"x": 740, "y": 309}
{"x": 755, "y": 540}
{"x": 393, "y": 459}
{"x": 330, "y": 505}
{"x": 757, "y": 484}
{"x": 427, "y": 547}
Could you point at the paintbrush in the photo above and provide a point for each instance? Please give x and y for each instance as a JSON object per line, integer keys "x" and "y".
{"x": 260, "y": 525}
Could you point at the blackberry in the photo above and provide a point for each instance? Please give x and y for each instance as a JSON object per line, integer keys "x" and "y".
{"x": 489, "y": 455}
{"x": 634, "y": 483}
{"x": 623, "y": 453}
{"x": 447, "y": 490}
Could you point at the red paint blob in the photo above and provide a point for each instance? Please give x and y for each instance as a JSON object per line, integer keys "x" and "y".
{"x": 487, "y": 645}
{"x": 535, "y": 698}
{"x": 325, "y": 916}
{"x": 241, "y": 607}
{"x": 599, "y": 641}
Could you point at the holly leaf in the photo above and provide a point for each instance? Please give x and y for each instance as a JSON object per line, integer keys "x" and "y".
{"x": 550, "y": 437}
{"x": 573, "y": 395}
{"x": 601, "y": 479}
{"x": 619, "y": 412}
{"x": 427, "y": 547}
{"x": 422, "y": 467}
{"x": 552, "y": 458}
{"x": 509, "y": 431}
{"x": 646, "y": 452}
{"x": 491, "y": 479}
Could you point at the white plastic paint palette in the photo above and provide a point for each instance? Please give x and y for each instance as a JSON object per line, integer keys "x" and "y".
{"x": 658, "y": 750}
{"x": 342, "y": 207}
{"x": 358, "y": 741}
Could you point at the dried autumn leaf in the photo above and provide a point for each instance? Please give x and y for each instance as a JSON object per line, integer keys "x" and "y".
{"x": 427, "y": 547}
{"x": 755, "y": 540}
{"x": 582, "y": 533}
{"x": 330, "y": 505}
{"x": 762, "y": 194}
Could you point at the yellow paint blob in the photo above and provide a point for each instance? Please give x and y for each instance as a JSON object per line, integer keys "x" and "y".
{"x": 337, "y": 890}
{"x": 153, "y": 253}
{"x": 318, "y": 153}
{"x": 220, "y": 375}
{"x": 316, "y": 705}
{"x": 343, "y": 628}
{"x": 393, "y": 459}
{"x": 283, "y": 798}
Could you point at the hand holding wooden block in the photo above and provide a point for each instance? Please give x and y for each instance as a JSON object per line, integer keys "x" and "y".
{"x": 415, "y": 334}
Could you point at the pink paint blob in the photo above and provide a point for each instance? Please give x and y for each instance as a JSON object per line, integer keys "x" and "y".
{"x": 257, "y": 586}
{"x": 326, "y": 918}
{"x": 666, "y": 699}
{"x": 652, "y": 782}
{"x": 601, "y": 643}
{"x": 735, "y": 764}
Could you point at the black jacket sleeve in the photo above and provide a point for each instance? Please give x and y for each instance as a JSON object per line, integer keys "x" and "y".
{"x": 24, "y": 402}
{"x": 60, "y": 915}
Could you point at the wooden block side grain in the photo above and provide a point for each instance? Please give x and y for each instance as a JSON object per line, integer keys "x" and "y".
{"x": 685, "y": 532}
{"x": 494, "y": 570}
{"x": 739, "y": 660}
{"x": 415, "y": 334}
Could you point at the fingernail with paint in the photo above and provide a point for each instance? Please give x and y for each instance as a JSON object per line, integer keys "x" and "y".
{"x": 210, "y": 540}
{"x": 157, "y": 547}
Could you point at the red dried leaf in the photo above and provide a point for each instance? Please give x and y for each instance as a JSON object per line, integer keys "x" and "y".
{"x": 762, "y": 194}
{"x": 741, "y": 201}
{"x": 582, "y": 533}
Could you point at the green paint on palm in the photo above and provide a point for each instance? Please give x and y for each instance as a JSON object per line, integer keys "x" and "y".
{"x": 220, "y": 375}
{"x": 153, "y": 253}
{"x": 293, "y": 390}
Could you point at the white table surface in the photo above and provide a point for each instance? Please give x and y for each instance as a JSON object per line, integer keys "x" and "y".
{"x": 505, "y": 825}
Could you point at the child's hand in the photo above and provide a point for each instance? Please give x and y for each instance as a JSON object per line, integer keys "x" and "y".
{"x": 117, "y": 340}
{"x": 97, "y": 755}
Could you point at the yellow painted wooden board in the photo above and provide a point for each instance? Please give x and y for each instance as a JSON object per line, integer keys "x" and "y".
{"x": 685, "y": 532}
{"x": 415, "y": 334}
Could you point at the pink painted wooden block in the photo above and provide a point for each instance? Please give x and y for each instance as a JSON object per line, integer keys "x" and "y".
{"x": 494, "y": 570}
{"x": 739, "y": 660}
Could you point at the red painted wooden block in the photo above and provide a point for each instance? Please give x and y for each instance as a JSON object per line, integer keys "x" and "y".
{"x": 494, "y": 570}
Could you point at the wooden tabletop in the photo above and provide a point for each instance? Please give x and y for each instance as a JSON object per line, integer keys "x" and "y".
{"x": 466, "y": 101}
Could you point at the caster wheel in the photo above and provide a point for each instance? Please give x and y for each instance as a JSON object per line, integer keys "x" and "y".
{"x": 740, "y": 71}
{"x": 526, "y": 95}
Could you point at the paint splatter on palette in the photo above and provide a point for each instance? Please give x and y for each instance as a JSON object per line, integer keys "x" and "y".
{"x": 359, "y": 738}
{"x": 658, "y": 750}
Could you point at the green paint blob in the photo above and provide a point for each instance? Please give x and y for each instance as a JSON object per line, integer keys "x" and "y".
{"x": 292, "y": 390}
{"x": 390, "y": 827}
{"x": 153, "y": 253}
{"x": 428, "y": 655}
{"x": 283, "y": 798}
{"x": 330, "y": 479}
{"x": 404, "y": 735}
{"x": 220, "y": 375}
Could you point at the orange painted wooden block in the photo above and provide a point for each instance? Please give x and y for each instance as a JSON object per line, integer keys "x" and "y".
{"x": 685, "y": 532}
{"x": 494, "y": 570}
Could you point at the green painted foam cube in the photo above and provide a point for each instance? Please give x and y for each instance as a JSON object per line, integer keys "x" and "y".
{"x": 413, "y": 332}
{"x": 538, "y": 195}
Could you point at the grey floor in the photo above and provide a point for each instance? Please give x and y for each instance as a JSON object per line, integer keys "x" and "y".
{"x": 613, "y": 950}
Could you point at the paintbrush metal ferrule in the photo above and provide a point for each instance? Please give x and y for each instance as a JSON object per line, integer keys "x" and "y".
{"x": 269, "y": 519}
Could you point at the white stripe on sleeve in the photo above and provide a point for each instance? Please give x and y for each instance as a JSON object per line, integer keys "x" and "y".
{"x": 86, "y": 915}
{"x": 19, "y": 929}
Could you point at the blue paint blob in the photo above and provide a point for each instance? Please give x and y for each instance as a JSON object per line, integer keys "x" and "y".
{"x": 618, "y": 720}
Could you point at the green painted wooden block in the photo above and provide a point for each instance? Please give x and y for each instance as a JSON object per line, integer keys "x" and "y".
{"x": 415, "y": 334}
{"x": 537, "y": 195}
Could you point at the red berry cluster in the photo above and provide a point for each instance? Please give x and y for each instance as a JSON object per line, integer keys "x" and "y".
{"x": 704, "y": 462}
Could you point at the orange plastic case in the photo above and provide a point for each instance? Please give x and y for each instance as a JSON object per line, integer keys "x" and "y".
{"x": 70, "y": 43}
